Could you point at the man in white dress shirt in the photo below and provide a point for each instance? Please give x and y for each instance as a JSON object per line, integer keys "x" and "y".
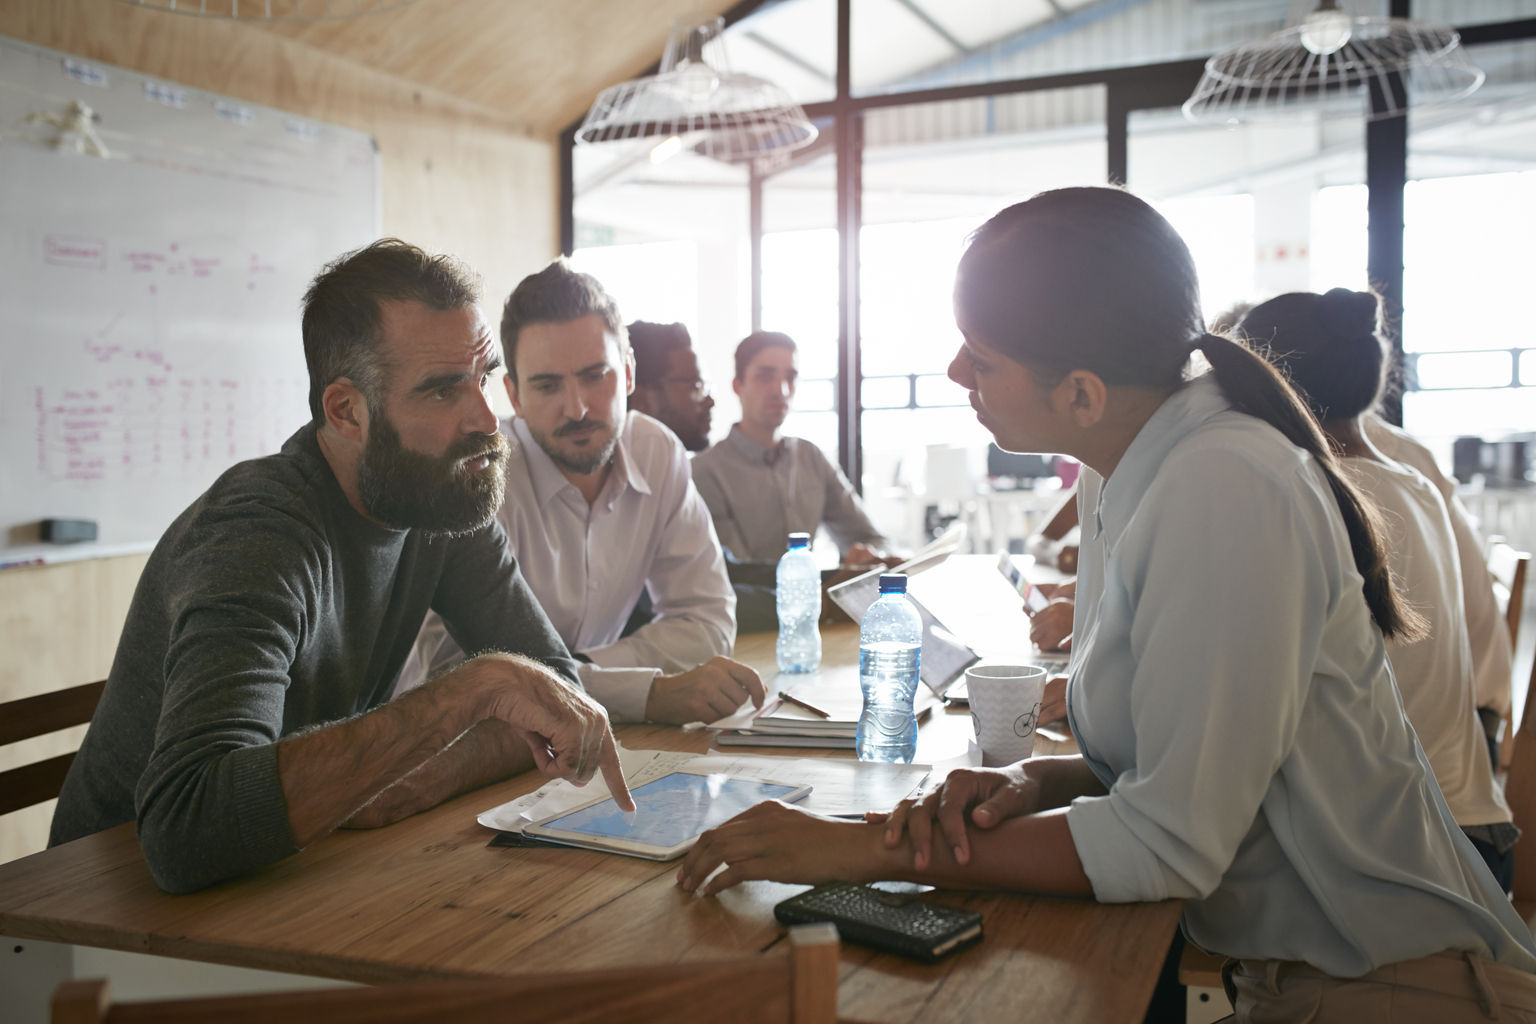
{"x": 599, "y": 506}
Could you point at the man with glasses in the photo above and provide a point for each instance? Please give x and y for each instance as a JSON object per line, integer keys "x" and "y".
{"x": 600, "y": 508}
{"x": 668, "y": 385}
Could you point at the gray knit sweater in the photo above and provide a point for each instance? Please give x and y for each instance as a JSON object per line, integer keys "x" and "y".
{"x": 268, "y": 606}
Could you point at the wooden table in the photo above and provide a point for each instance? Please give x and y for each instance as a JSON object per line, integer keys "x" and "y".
{"x": 427, "y": 898}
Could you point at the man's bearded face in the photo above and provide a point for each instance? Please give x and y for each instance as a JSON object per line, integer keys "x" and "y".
{"x": 439, "y": 494}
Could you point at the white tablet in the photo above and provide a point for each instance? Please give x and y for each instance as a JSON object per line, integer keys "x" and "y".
{"x": 670, "y": 814}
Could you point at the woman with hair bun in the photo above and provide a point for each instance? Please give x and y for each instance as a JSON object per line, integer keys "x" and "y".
{"x": 1329, "y": 347}
{"x": 1243, "y": 745}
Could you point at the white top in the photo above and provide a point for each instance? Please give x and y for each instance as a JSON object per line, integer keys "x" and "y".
{"x": 1230, "y": 690}
{"x": 1486, "y": 629}
{"x": 1434, "y": 675}
{"x": 586, "y": 565}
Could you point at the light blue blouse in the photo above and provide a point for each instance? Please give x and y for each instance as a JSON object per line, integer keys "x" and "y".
{"x": 1230, "y": 690}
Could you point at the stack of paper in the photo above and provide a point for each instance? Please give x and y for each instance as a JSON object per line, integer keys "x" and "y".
{"x": 785, "y": 723}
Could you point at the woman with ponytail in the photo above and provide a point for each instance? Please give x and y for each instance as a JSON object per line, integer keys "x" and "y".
{"x": 1329, "y": 347}
{"x": 1243, "y": 745}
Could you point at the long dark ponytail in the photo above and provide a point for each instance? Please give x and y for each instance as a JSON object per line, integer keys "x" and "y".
{"x": 1095, "y": 279}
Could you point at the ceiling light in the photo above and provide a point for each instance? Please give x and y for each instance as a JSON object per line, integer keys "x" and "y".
{"x": 667, "y": 150}
{"x": 1336, "y": 62}
{"x": 695, "y": 95}
{"x": 1325, "y": 30}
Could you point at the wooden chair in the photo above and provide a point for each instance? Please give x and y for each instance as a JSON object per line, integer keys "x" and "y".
{"x": 37, "y": 716}
{"x": 1199, "y": 970}
{"x": 1520, "y": 792}
{"x": 795, "y": 986}
{"x": 1508, "y": 568}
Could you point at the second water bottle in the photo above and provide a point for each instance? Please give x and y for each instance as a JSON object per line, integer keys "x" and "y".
{"x": 798, "y": 590}
{"x": 890, "y": 658}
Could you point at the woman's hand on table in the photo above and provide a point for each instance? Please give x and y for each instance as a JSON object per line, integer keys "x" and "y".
{"x": 781, "y": 843}
{"x": 990, "y": 794}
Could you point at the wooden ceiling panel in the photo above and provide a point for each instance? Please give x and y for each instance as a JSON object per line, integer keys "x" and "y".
{"x": 541, "y": 61}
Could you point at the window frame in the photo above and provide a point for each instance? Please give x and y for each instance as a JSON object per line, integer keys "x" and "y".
{"x": 1143, "y": 87}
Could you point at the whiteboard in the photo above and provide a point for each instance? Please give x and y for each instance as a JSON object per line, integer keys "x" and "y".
{"x": 150, "y": 300}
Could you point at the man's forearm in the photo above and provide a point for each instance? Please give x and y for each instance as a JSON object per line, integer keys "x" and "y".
{"x": 489, "y": 752}
{"x": 329, "y": 773}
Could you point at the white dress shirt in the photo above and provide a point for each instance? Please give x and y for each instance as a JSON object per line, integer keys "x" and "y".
{"x": 587, "y": 564}
{"x": 1486, "y": 630}
{"x": 1230, "y": 690}
{"x": 1434, "y": 675}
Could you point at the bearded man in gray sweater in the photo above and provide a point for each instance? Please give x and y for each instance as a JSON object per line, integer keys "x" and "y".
{"x": 246, "y": 714}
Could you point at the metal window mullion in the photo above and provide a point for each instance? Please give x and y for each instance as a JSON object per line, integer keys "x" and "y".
{"x": 567, "y": 145}
{"x": 755, "y": 234}
{"x": 849, "y": 127}
{"x": 1386, "y": 175}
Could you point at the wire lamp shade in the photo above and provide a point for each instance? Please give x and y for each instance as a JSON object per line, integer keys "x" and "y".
{"x": 1332, "y": 60}
{"x": 696, "y": 100}
{"x": 271, "y": 10}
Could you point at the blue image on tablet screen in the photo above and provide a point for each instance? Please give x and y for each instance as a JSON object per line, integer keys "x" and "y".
{"x": 672, "y": 809}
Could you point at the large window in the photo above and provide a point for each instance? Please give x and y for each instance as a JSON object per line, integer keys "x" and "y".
{"x": 951, "y": 111}
{"x": 1246, "y": 199}
{"x": 904, "y": 45}
{"x": 932, "y": 173}
{"x": 1469, "y": 216}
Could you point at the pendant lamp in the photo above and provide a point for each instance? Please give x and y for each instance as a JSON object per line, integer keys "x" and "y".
{"x": 1336, "y": 62}
{"x": 696, "y": 102}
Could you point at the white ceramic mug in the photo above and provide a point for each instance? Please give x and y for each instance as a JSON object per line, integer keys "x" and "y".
{"x": 1005, "y": 709}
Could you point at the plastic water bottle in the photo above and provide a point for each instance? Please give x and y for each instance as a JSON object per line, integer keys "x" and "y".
{"x": 798, "y": 589}
{"x": 890, "y": 651}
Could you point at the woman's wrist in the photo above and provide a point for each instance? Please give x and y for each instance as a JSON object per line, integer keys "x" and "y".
{"x": 862, "y": 856}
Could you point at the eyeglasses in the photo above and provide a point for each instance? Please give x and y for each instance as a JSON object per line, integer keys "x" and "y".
{"x": 698, "y": 388}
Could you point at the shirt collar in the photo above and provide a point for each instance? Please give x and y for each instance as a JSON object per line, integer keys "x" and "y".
{"x": 546, "y": 476}
{"x": 1184, "y": 411}
{"x": 750, "y": 449}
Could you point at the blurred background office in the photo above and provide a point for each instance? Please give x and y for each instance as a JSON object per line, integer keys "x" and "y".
{"x": 1266, "y": 207}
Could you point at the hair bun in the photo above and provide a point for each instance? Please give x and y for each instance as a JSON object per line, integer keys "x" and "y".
{"x": 1348, "y": 315}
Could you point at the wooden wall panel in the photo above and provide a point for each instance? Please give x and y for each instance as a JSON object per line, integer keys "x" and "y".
{"x": 458, "y": 177}
{"x": 464, "y": 47}
{"x": 59, "y": 626}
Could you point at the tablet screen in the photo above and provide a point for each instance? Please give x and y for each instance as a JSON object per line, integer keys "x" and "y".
{"x": 670, "y": 810}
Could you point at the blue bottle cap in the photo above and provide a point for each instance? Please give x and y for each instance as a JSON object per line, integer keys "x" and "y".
{"x": 799, "y": 540}
{"x": 893, "y": 583}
